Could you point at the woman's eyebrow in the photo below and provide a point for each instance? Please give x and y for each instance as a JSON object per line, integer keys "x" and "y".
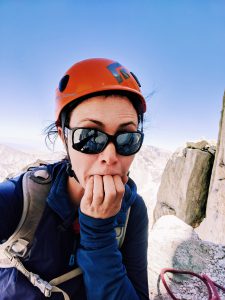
{"x": 97, "y": 122}
{"x": 127, "y": 124}
{"x": 93, "y": 121}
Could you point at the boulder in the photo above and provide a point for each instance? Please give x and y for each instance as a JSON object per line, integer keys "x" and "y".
{"x": 201, "y": 145}
{"x": 174, "y": 244}
{"x": 184, "y": 185}
{"x": 211, "y": 228}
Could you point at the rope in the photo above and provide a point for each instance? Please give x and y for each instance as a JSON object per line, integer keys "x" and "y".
{"x": 210, "y": 284}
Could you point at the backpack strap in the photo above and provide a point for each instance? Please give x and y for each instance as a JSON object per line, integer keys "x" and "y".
{"x": 36, "y": 186}
{"x": 121, "y": 231}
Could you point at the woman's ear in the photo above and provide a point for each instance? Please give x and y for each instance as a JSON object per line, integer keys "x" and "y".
{"x": 61, "y": 134}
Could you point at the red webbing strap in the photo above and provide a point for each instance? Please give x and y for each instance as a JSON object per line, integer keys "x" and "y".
{"x": 211, "y": 285}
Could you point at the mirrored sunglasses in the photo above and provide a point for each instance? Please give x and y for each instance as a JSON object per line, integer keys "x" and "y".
{"x": 93, "y": 141}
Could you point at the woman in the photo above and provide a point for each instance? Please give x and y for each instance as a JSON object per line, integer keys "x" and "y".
{"x": 99, "y": 117}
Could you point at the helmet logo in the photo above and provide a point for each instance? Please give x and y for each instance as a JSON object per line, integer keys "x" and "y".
{"x": 113, "y": 68}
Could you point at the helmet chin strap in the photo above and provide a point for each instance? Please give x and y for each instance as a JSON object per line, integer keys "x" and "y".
{"x": 70, "y": 171}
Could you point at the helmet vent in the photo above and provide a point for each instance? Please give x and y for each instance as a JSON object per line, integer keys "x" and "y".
{"x": 63, "y": 83}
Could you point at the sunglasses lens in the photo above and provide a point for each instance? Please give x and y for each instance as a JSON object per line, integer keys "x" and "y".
{"x": 88, "y": 140}
{"x": 128, "y": 143}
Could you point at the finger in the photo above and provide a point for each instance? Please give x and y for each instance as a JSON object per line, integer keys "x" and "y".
{"x": 110, "y": 191}
{"x": 98, "y": 191}
{"x": 125, "y": 179}
{"x": 109, "y": 187}
{"x": 120, "y": 188}
{"x": 88, "y": 193}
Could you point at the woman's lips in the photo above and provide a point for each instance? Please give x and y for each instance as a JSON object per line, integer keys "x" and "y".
{"x": 123, "y": 177}
{"x": 104, "y": 174}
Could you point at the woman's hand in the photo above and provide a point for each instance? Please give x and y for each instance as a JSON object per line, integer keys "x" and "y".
{"x": 103, "y": 196}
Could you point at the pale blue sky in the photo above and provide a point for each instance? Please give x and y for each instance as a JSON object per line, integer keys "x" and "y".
{"x": 175, "y": 47}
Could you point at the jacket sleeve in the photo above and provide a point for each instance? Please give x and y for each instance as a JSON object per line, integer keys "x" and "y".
{"x": 11, "y": 206}
{"x": 111, "y": 273}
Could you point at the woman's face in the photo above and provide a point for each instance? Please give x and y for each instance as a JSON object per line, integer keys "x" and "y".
{"x": 109, "y": 114}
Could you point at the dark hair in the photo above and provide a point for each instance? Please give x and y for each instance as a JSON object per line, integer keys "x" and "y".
{"x": 51, "y": 131}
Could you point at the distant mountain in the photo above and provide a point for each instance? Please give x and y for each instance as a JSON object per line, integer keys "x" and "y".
{"x": 12, "y": 161}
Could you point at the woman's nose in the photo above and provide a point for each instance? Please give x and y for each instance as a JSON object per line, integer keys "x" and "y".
{"x": 109, "y": 155}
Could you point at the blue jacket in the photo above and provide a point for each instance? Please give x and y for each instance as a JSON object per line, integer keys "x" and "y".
{"x": 109, "y": 273}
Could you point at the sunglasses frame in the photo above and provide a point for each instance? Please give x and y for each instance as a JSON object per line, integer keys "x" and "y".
{"x": 111, "y": 138}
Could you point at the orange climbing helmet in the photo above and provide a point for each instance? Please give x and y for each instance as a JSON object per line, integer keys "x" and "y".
{"x": 96, "y": 75}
